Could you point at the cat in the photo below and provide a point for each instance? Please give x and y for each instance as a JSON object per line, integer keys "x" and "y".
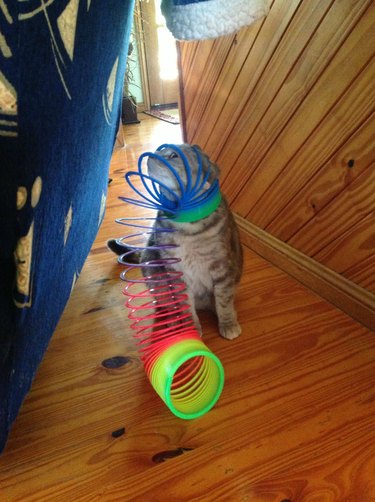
{"x": 210, "y": 249}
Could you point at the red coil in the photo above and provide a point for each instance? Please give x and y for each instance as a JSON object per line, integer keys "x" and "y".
{"x": 158, "y": 304}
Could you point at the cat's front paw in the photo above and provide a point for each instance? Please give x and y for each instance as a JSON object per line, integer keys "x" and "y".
{"x": 230, "y": 331}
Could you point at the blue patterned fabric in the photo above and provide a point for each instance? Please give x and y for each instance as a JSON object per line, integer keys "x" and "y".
{"x": 62, "y": 65}
{"x": 185, "y": 2}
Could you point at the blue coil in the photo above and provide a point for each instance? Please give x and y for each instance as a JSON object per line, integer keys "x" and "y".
{"x": 191, "y": 196}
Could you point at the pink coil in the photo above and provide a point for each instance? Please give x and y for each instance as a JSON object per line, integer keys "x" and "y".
{"x": 157, "y": 303}
{"x": 183, "y": 371}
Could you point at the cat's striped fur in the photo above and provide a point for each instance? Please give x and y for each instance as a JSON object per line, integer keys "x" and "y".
{"x": 209, "y": 249}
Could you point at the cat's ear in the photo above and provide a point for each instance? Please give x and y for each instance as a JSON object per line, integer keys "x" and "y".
{"x": 211, "y": 166}
{"x": 197, "y": 147}
{"x": 208, "y": 164}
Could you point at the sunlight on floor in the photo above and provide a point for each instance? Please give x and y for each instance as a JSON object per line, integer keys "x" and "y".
{"x": 166, "y": 133}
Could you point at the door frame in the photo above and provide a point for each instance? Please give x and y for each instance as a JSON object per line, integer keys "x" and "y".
{"x": 157, "y": 89}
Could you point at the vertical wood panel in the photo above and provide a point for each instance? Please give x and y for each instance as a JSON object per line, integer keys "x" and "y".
{"x": 244, "y": 150}
{"x": 292, "y": 104}
{"x": 356, "y": 244}
{"x": 342, "y": 71}
{"x": 187, "y": 55}
{"x": 339, "y": 216}
{"x": 363, "y": 272}
{"x": 335, "y": 175}
{"x": 210, "y": 73}
{"x": 231, "y": 68}
{"x": 287, "y": 54}
{"x": 199, "y": 57}
{"x": 343, "y": 118}
{"x": 261, "y": 51}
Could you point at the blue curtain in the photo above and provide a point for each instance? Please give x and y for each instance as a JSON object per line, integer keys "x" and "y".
{"x": 62, "y": 65}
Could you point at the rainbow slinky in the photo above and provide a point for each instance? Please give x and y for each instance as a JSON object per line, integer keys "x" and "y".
{"x": 188, "y": 377}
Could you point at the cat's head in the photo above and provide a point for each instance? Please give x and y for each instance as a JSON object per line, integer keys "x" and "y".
{"x": 203, "y": 172}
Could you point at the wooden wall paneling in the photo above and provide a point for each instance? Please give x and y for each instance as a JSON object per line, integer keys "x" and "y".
{"x": 288, "y": 52}
{"x": 337, "y": 289}
{"x": 352, "y": 56}
{"x": 181, "y": 102}
{"x": 261, "y": 51}
{"x": 347, "y": 114}
{"x": 201, "y": 54}
{"x": 184, "y": 60}
{"x": 264, "y": 128}
{"x": 205, "y": 80}
{"x": 339, "y": 216}
{"x": 354, "y": 245}
{"x": 215, "y": 102}
{"x": 293, "y": 103}
{"x": 328, "y": 182}
{"x": 187, "y": 53}
{"x": 185, "y": 56}
{"x": 363, "y": 272}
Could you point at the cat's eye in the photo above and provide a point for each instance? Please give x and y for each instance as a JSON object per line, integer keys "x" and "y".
{"x": 172, "y": 155}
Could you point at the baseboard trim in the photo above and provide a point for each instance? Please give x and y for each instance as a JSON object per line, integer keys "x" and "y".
{"x": 333, "y": 287}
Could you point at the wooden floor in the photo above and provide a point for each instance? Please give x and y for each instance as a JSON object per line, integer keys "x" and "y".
{"x": 296, "y": 420}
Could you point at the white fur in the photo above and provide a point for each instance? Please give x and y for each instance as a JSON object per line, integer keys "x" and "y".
{"x": 211, "y": 18}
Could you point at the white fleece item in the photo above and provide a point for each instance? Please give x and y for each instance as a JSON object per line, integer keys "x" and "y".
{"x": 211, "y": 18}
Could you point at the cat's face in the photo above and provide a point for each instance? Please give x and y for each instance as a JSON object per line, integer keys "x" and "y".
{"x": 159, "y": 172}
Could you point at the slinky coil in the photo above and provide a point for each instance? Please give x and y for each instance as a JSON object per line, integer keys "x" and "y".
{"x": 188, "y": 377}
{"x": 193, "y": 203}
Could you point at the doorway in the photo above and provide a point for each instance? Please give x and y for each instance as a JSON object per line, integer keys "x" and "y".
{"x": 157, "y": 47}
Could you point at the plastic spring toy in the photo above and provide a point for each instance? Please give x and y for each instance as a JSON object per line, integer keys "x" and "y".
{"x": 184, "y": 372}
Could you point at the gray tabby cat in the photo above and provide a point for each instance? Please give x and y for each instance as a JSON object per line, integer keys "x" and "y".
{"x": 209, "y": 249}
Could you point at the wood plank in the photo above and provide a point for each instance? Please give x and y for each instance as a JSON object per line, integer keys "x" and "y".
{"x": 349, "y": 208}
{"x": 225, "y": 113}
{"x": 215, "y": 100}
{"x": 363, "y": 273}
{"x": 302, "y": 27}
{"x": 202, "y": 55}
{"x": 358, "y": 241}
{"x": 187, "y": 51}
{"x": 317, "y": 274}
{"x": 351, "y": 57}
{"x": 328, "y": 182}
{"x": 358, "y": 464}
{"x": 195, "y": 50}
{"x": 346, "y": 116}
{"x": 228, "y": 476}
{"x": 205, "y": 79}
{"x": 303, "y": 75}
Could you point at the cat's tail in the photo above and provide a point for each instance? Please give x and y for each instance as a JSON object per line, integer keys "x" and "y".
{"x": 120, "y": 249}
